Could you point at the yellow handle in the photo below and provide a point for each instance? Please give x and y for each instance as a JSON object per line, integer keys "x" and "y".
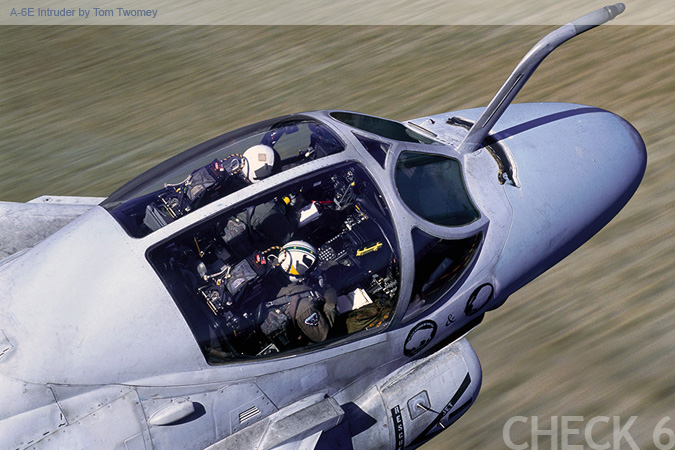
{"x": 370, "y": 249}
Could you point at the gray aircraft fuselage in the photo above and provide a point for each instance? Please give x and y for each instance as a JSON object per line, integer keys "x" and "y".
{"x": 141, "y": 320}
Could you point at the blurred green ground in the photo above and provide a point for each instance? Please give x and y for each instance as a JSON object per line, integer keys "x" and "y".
{"x": 83, "y": 109}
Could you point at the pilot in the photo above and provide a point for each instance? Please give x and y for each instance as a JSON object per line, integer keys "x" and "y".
{"x": 209, "y": 183}
{"x": 258, "y": 162}
{"x": 302, "y": 309}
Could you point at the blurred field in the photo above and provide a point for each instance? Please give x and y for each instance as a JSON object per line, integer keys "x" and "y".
{"x": 83, "y": 109}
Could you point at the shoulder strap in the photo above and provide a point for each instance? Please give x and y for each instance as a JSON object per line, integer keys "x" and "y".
{"x": 288, "y": 296}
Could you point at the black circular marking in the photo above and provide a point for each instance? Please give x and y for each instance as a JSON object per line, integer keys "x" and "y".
{"x": 479, "y": 298}
{"x": 418, "y": 338}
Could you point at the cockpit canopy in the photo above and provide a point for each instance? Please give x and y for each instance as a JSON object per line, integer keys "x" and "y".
{"x": 213, "y": 170}
{"x": 231, "y": 278}
{"x": 233, "y": 273}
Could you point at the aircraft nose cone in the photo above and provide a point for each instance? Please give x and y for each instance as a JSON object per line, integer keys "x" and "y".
{"x": 577, "y": 167}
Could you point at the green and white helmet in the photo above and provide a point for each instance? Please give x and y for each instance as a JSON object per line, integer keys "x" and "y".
{"x": 298, "y": 258}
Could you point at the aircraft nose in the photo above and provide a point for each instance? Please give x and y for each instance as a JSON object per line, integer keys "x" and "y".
{"x": 577, "y": 167}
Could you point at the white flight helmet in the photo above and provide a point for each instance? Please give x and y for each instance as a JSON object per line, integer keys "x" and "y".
{"x": 259, "y": 162}
{"x": 298, "y": 259}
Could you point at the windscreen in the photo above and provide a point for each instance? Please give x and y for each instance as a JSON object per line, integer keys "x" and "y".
{"x": 382, "y": 127}
{"x": 432, "y": 186}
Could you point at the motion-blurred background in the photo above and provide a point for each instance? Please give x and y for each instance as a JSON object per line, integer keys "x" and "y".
{"x": 84, "y": 109}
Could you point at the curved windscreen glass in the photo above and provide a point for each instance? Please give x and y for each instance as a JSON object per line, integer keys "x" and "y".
{"x": 382, "y": 127}
{"x": 313, "y": 262}
{"x": 377, "y": 149}
{"x": 439, "y": 265}
{"x": 432, "y": 186}
{"x": 215, "y": 169}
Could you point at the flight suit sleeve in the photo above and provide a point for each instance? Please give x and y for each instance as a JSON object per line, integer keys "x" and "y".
{"x": 330, "y": 306}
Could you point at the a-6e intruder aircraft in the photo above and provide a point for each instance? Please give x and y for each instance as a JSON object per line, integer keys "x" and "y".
{"x": 303, "y": 282}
